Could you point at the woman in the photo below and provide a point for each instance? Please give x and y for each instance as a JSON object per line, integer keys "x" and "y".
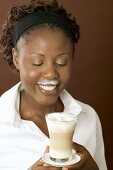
{"x": 39, "y": 41}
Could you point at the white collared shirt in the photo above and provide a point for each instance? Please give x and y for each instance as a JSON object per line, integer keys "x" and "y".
{"x": 22, "y": 143}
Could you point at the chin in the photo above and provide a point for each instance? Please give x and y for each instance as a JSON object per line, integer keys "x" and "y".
{"x": 48, "y": 101}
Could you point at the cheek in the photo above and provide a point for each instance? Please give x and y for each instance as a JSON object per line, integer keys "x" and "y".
{"x": 32, "y": 74}
{"x": 66, "y": 75}
{"x": 26, "y": 70}
{"x": 28, "y": 75}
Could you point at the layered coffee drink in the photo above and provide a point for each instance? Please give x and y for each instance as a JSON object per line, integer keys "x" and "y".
{"x": 61, "y": 127}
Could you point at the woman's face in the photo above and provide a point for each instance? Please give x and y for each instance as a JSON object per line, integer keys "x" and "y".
{"x": 44, "y": 61}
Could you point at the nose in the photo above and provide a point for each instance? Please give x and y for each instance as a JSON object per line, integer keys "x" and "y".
{"x": 50, "y": 71}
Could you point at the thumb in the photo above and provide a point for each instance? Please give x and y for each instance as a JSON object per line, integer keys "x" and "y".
{"x": 78, "y": 148}
{"x": 64, "y": 168}
{"x": 47, "y": 149}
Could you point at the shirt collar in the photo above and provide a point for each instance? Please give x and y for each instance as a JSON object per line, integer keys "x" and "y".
{"x": 70, "y": 104}
{"x": 11, "y": 99}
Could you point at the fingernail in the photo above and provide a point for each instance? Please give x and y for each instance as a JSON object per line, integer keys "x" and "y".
{"x": 64, "y": 168}
{"x": 45, "y": 164}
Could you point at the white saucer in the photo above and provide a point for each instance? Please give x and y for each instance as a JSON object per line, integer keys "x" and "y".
{"x": 75, "y": 159}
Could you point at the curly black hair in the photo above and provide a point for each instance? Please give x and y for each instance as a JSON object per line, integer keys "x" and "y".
{"x": 18, "y": 12}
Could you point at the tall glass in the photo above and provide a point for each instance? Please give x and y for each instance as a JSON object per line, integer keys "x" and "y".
{"x": 61, "y": 127}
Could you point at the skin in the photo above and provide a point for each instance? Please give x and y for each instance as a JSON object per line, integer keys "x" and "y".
{"x": 46, "y": 54}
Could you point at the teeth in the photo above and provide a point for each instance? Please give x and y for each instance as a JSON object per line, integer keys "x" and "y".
{"x": 47, "y": 88}
{"x": 48, "y": 82}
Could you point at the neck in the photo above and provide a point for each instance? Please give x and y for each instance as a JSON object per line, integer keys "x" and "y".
{"x": 30, "y": 108}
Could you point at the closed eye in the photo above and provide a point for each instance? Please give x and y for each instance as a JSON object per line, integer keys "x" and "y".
{"x": 61, "y": 64}
{"x": 38, "y": 64}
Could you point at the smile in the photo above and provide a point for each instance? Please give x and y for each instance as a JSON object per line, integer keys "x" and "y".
{"x": 47, "y": 87}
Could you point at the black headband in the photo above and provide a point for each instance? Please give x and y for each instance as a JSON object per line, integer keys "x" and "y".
{"x": 38, "y": 18}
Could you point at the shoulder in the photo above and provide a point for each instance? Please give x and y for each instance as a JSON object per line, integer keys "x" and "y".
{"x": 86, "y": 108}
{"x": 10, "y": 95}
{"x": 73, "y": 105}
{"x": 11, "y": 91}
{"x": 89, "y": 114}
{"x": 9, "y": 101}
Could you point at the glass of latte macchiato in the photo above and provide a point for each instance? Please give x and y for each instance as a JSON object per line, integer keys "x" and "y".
{"x": 61, "y": 127}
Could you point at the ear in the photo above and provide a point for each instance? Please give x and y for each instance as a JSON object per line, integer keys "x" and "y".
{"x": 15, "y": 58}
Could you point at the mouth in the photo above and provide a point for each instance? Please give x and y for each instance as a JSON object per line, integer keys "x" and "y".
{"x": 49, "y": 89}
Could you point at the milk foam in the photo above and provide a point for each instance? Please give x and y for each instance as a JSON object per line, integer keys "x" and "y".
{"x": 61, "y": 122}
{"x": 61, "y": 117}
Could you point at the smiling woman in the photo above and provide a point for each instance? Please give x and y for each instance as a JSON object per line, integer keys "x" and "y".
{"x": 39, "y": 40}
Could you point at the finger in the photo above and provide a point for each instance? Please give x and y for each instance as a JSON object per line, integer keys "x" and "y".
{"x": 45, "y": 164}
{"x": 64, "y": 168}
{"x": 47, "y": 149}
{"x": 40, "y": 162}
{"x": 46, "y": 168}
{"x": 77, "y": 147}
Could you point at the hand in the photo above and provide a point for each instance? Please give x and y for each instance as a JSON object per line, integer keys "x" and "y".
{"x": 41, "y": 165}
{"x": 86, "y": 162}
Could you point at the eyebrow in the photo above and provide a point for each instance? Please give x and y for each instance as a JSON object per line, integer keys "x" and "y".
{"x": 38, "y": 54}
{"x": 56, "y": 55}
{"x": 62, "y": 54}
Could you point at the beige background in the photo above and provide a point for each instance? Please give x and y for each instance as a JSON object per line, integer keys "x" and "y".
{"x": 92, "y": 80}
